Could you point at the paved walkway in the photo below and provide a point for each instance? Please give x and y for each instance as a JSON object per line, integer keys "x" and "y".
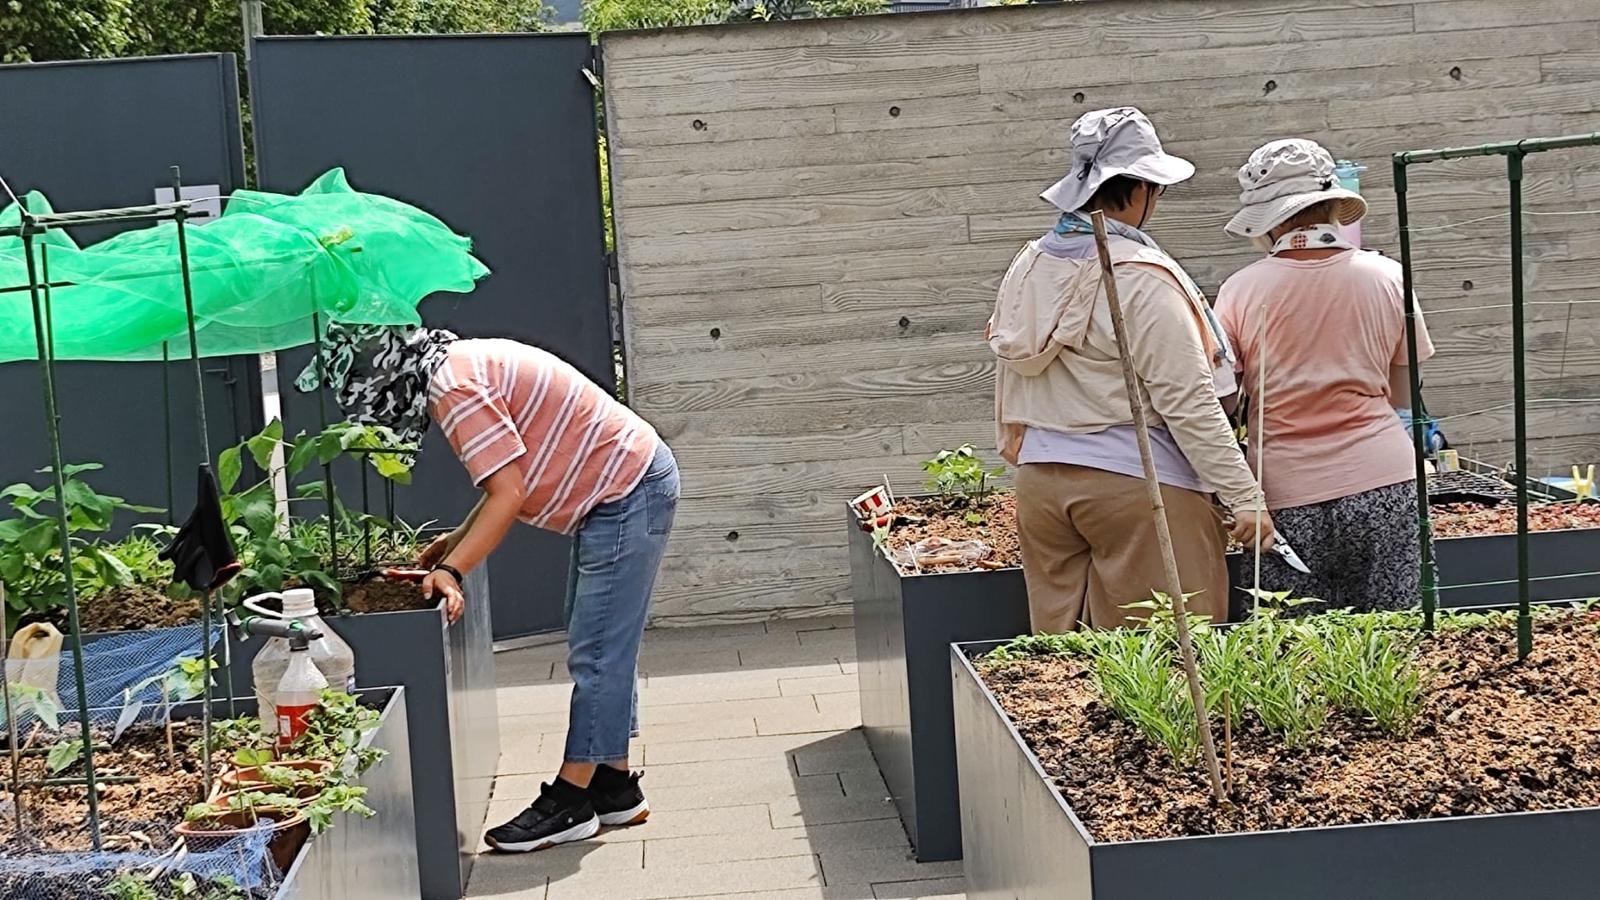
{"x": 761, "y": 784}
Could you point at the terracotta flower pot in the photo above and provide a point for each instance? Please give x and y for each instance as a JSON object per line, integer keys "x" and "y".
{"x": 289, "y": 832}
{"x": 249, "y": 778}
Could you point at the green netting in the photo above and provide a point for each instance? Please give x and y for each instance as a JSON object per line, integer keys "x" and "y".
{"x": 259, "y": 272}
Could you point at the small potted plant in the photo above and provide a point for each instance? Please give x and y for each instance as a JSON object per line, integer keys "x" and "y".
{"x": 299, "y": 778}
{"x": 213, "y": 823}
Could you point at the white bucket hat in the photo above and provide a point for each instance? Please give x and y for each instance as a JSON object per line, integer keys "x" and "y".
{"x": 1110, "y": 142}
{"x": 1283, "y": 178}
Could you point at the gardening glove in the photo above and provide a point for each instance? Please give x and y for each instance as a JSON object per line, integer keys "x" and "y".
{"x": 202, "y": 552}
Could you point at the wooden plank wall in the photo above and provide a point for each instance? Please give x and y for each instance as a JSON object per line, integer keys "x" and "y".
{"x": 813, "y": 217}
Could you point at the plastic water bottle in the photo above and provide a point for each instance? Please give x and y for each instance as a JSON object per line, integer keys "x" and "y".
{"x": 329, "y": 654}
{"x": 1349, "y": 175}
{"x": 298, "y": 692}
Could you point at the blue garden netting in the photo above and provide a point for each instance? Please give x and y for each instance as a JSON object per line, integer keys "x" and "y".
{"x": 239, "y": 868}
{"x": 132, "y": 676}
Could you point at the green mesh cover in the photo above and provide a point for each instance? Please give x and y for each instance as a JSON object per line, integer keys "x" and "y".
{"x": 259, "y": 272}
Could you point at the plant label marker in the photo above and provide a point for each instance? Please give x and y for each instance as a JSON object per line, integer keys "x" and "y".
{"x": 1158, "y": 511}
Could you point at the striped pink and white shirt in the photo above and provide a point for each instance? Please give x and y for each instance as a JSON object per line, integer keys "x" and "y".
{"x": 502, "y": 403}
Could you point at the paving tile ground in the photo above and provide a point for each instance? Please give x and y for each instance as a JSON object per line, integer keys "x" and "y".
{"x": 761, "y": 783}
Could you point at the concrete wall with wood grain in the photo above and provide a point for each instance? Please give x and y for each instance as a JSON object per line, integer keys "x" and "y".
{"x": 813, "y": 217}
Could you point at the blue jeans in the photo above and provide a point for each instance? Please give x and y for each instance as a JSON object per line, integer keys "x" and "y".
{"x": 618, "y": 552}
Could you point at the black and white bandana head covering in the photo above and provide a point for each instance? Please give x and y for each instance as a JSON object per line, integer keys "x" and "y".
{"x": 379, "y": 374}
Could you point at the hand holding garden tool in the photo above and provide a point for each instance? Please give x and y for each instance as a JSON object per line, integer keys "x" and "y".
{"x": 1278, "y": 545}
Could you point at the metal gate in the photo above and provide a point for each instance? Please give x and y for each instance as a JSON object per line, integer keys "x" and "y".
{"x": 496, "y": 135}
{"x": 104, "y": 134}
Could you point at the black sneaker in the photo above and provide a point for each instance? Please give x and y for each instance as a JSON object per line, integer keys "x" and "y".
{"x": 562, "y": 814}
{"x": 617, "y": 798}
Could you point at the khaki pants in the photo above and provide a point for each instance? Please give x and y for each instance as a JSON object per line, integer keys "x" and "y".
{"x": 1089, "y": 547}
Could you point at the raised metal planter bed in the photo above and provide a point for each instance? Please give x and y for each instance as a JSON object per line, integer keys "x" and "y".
{"x": 1023, "y": 841}
{"x": 905, "y": 625}
{"x": 448, "y": 674}
{"x": 904, "y": 628}
{"x": 1482, "y": 571}
{"x": 368, "y": 859}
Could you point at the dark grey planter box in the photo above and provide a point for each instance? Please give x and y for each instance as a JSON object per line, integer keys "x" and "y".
{"x": 448, "y": 674}
{"x": 904, "y": 628}
{"x": 1023, "y": 841}
{"x": 1473, "y": 571}
{"x": 367, "y": 859}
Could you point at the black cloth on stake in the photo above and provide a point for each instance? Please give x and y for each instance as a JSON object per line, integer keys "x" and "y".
{"x": 202, "y": 552}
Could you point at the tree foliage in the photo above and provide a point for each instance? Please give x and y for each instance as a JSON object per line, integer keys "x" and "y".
{"x": 618, "y": 15}
{"x": 40, "y": 30}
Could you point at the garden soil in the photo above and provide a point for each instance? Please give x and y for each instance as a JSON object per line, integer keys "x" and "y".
{"x": 134, "y": 816}
{"x": 1495, "y": 736}
{"x": 379, "y": 594}
{"x": 992, "y": 520}
{"x": 1470, "y": 519}
{"x": 134, "y": 607}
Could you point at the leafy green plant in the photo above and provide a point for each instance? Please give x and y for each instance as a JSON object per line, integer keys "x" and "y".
{"x": 254, "y": 804}
{"x": 273, "y": 553}
{"x": 1369, "y": 670}
{"x": 1138, "y": 675}
{"x": 63, "y": 756}
{"x": 1278, "y": 679}
{"x": 185, "y": 681}
{"x": 1071, "y": 643}
{"x": 334, "y": 732}
{"x": 960, "y": 472}
{"x": 252, "y": 756}
{"x": 30, "y": 542}
{"x": 1285, "y": 674}
{"x": 220, "y": 887}
{"x": 38, "y": 702}
{"x": 336, "y": 798}
{"x": 288, "y": 777}
{"x": 241, "y": 740}
{"x": 128, "y": 886}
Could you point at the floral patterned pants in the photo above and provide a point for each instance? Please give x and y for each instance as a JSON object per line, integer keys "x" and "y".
{"x": 1362, "y": 550}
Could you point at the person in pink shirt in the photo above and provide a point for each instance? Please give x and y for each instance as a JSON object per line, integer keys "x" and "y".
{"x": 1326, "y": 322}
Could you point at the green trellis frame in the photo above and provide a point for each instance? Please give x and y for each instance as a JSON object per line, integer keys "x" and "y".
{"x": 1515, "y": 152}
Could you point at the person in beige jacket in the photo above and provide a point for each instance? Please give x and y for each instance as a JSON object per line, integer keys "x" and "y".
{"x": 1088, "y": 541}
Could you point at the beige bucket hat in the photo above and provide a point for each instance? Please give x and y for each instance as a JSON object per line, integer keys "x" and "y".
{"x": 1110, "y": 142}
{"x": 1284, "y": 177}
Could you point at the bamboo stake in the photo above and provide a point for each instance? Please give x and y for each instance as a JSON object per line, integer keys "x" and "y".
{"x": 1158, "y": 512}
{"x": 1227, "y": 739}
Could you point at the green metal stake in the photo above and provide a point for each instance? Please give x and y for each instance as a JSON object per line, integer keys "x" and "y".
{"x": 1430, "y": 589}
{"x": 166, "y": 407}
{"x": 180, "y": 215}
{"x": 45, "y": 341}
{"x": 1520, "y": 403}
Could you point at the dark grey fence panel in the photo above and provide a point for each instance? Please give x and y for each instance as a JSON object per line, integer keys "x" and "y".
{"x": 495, "y": 134}
{"x": 103, "y": 134}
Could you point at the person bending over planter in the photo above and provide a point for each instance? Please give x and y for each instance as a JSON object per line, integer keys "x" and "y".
{"x": 550, "y": 448}
{"x": 1087, "y": 537}
{"x": 1327, "y": 321}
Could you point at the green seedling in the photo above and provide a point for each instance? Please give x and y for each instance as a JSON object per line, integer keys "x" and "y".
{"x": 960, "y": 472}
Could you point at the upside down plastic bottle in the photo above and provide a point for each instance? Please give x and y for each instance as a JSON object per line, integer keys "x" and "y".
{"x": 298, "y": 692}
{"x": 330, "y": 654}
